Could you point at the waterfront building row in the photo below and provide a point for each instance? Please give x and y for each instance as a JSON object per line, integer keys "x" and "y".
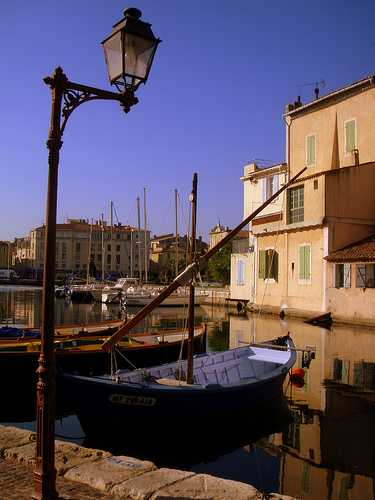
{"x": 294, "y": 262}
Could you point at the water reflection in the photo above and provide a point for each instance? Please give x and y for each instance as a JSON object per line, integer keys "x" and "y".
{"x": 326, "y": 452}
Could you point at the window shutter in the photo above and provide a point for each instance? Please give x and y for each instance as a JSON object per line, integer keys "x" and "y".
{"x": 360, "y": 275}
{"x": 240, "y": 272}
{"x": 264, "y": 189}
{"x": 334, "y": 276}
{"x": 270, "y": 263}
{"x": 304, "y": 262}
{"x": 350, "y": 135}
{"x": 347, "y": 273}
{"x": 275, "y": 184}
{"x": 262, "y": 264}
{"x": 310, "y": 149}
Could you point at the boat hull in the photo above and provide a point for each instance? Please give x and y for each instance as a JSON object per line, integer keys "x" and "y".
{"x": 176, "y": 301}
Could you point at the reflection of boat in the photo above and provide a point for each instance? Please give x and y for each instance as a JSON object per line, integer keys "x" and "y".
{"x": 90, "y": 329}
{"x": 110, "y": 294}
{"x": 224, "y": 382}
{"x": 197, "y": 444}
{"x": 178, "y": 298}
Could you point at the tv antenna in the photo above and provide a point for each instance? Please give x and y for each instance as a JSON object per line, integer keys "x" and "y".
{"x": 322, "y": 82}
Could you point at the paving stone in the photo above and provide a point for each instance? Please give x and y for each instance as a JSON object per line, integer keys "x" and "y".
{"x": 205, "y": 487}
{"x": 105, "y": 474}
{"x": 144, "y": 486}
{"x": 11, "y": 437}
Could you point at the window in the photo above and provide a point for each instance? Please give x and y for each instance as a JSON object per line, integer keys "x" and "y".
{"x": 341, "y": 274}
{"x": 350, "y": 136}
{"x": 118, "y": 248}
{"x": 311, "y": 150}
{"x": 364, "y": 275}
{"x": 63, "y": 247}
{"x": 240, "y": 272}
{"x": 270, "y": 186}
{"x": 297, "y": 204}
{"x": 304, "y": 264}
{"x": 268, "y": 264}
{"x": 78, "y": 247}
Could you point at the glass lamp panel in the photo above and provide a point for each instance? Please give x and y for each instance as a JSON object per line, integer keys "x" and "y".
{"x": 113, "y": 56}
{"x": 139, "y": 53}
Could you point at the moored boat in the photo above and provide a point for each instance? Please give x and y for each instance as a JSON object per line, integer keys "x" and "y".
{"x": 224, "y": 382}
{"x": 113, "y": 293}
{"x": 90, "y": 329}
{"x": 178, "y": 298}
{"x": 85, "y": 356}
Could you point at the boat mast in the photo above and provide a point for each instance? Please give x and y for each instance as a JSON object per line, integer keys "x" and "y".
{"x": 175, "y": 209}
{"x": 139, "y": 242}
{"x": 112, "y": 245}
{"x": 193, "y": 199}
{"x": 103, "y": 249}
{"x": 144, "y": 210}
{"x": 190, "y": 272}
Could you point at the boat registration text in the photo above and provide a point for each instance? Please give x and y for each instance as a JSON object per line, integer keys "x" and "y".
{"x": 131, "y": 400}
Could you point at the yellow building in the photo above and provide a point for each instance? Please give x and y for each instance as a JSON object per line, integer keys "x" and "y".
{"x": 329, "y": 207}
{"x": 110, "y": 248}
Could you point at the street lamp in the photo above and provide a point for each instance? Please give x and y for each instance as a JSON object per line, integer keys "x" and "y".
{"x": 129, "y": 52}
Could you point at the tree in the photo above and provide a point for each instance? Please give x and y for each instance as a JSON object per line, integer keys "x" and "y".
{"x": 167, "y": 274}
{"x": 219, "y": 265}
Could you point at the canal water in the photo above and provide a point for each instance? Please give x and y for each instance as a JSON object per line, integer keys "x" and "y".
{"x": 315, "y": 442}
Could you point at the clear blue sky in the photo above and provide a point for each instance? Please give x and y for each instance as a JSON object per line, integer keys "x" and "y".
{"x": 218, "y": 87}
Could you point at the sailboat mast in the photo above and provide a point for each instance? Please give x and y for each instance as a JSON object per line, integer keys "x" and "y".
{"x": 175, "y": 209}
{"x": 144, "y": 210}
{"x": 189, "y": 376}
{"x": 139, "y": 242}
{"x": 103, "y": 249}
{"x": 112, "y": 245}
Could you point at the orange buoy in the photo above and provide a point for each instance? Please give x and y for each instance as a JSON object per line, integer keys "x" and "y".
{"x": 298, "y": 373}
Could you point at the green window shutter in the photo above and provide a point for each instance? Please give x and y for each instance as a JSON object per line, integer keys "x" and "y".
{"x": 262, "y": 264}
{"x": 310, "y": 149}
{"x": 304, "y": 262}
{"x": 270, "y": 263}
{"x": 350, "y": 136}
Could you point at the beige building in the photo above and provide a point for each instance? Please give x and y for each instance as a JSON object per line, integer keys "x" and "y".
{"x": 329, "y": 207}
{"x": 163, "y": 248}
{"x": 111, "y": 248}
{"x": 6, "y": 253}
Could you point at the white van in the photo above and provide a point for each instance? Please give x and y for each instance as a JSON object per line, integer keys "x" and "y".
{"x": 7, "y": 273}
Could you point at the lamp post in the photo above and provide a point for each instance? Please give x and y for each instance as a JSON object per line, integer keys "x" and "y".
{"x": 129, "y": 52}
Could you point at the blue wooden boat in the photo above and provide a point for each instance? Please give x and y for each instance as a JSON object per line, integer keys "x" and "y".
{"x": 224, "y": 382}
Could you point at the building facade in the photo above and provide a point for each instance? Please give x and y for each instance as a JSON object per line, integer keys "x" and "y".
{"x": 120, "y": 249}
{"x": 167, "y": 246}
{"x": 329, "y": 207}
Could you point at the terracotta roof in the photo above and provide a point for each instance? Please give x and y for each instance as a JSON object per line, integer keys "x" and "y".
{"x": 361, "y": 251}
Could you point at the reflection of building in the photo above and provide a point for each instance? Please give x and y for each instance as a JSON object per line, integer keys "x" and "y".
{"x": 329, "y": 207}
{"x": 328, "y": 451}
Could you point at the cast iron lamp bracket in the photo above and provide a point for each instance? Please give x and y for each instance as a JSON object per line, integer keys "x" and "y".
{"x": 75, "y": 94}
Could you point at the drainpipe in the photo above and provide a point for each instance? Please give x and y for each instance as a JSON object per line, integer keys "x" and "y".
{"x": 288, "y": 122}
